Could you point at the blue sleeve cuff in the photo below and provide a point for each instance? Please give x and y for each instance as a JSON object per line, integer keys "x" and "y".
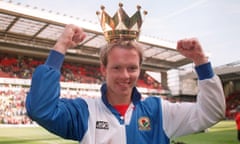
{"x": 55, "y": 59}
{"x": 204, "y": 71}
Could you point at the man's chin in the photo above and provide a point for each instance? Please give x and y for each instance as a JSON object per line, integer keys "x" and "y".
{"x": 124, "y": 92}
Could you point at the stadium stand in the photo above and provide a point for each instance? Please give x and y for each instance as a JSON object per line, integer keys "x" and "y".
{"x": 233, "y": 100}
{"x": 12, "y": 107}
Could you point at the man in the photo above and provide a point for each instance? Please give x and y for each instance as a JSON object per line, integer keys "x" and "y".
{"x": 121, "y": 116}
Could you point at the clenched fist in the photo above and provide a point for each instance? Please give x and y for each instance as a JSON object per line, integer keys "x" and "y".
{"x": 192, "y": 49}
{"x": 71, "y": 37}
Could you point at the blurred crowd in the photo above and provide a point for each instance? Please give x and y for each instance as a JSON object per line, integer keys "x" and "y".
{"x": 12, "y": 109}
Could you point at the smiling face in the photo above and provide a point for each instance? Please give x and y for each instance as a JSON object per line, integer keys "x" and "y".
{"x": 121, "y": 73}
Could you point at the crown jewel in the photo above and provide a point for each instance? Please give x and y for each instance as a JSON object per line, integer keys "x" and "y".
{"x": 121, "y": 26}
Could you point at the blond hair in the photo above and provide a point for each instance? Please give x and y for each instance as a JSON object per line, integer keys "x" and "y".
{"x": 125, "y": 44}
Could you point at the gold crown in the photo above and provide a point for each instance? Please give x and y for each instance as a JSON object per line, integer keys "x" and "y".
{"x": 121, "y": 26}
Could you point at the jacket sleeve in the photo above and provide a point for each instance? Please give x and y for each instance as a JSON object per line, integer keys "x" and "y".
{"x": 64, "y": 117}
{"x": 185, "y": 118}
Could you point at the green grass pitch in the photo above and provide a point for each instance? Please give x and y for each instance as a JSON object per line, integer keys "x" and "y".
{"x": 222, "y": 133}
{"x": 29, "y": 135}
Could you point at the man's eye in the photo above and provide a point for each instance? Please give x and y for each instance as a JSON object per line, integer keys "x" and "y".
{"x": 116, "y": 67}
{"x": 132, "y": 68}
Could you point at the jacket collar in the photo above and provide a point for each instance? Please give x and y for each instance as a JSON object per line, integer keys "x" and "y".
{"x": 136, "y": 96}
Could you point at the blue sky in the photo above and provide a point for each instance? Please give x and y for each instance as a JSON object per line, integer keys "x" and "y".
{"x": 216, "y": 23}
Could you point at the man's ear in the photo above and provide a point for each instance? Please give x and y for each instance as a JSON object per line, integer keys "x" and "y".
{"x": 103, "y": 69}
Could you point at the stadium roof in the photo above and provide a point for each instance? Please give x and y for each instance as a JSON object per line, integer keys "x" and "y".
{"x": 33, "y": 31}
{"x": 227, "y": 72}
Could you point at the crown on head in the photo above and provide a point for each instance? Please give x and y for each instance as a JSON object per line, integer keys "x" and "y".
{"x": 121, "y": 26}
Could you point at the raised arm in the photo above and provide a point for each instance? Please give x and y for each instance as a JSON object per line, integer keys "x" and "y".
{"x": 186, "y": 118}
{"x": 60, "y": 116}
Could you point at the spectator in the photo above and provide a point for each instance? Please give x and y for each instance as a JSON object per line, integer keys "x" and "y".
{"x": 237, "y": 119}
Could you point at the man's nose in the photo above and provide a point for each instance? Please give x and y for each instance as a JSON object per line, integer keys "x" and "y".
{"x": 125, "y": 73}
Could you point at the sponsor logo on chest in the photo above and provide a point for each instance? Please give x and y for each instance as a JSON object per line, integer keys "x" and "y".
{"x": 102, "y": 125}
